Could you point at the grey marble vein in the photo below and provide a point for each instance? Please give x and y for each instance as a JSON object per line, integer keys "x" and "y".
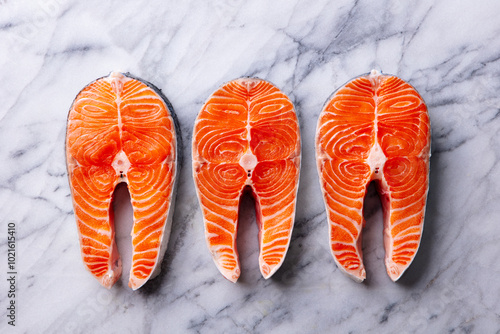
{"x": 448, "y": 50}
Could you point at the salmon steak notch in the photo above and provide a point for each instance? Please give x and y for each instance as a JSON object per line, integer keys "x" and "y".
{"x": 121, "y": 129}
{"x": 374, "y": 128}
{"x": 246, "y": 137}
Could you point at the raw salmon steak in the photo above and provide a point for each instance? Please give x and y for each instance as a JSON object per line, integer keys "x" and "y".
{"x": 376, "y": 127}
{"x": 246, "y": 136}
{"x": 121, "y": 130}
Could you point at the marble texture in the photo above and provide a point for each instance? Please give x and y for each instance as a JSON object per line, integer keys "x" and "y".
{"x": 448, "y": 50}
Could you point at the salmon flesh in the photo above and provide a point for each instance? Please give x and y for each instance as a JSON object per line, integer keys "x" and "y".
{"x": 374, "y": 128}
{"x": 121, "y": 130}
{"x": 246, "y": 136}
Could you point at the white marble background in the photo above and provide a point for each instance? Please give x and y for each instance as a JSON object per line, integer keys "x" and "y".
{"x": 449, "y": 50}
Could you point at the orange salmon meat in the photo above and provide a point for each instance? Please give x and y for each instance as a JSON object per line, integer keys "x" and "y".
{"x": 121, "y": 129}
{"x": 246, "y": 137}
{"x": 374, "y": 128}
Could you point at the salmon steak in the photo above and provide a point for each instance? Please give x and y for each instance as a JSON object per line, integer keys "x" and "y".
{"x": 121, "y": 129}
{"x": 374, "y": 128}
{"x": 246, "y": 137}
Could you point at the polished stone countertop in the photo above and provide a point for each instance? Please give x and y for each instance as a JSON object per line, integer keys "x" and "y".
{"x": 448, "y": 50}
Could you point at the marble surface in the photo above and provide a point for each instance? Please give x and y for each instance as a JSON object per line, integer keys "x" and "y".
{"x": 448, "y": 50}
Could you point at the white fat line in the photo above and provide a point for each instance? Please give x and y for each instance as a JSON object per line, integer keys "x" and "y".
{"x": 151, "y": 101}
{"x": 281, "y": 184}
{"x": 278, "y": 202}
{"x": 344, "y": 130}
{"x": 334, "y": 194}
{"x": 273, "y": 99}
{"x": 85, "y": 194}
{"x": 401, "y": 221}
{"x": 407, "y": 117}
{"x": 330, "y": 181}
{"x": 349, "y": 219}
{"x": 150, "y": 140}
{"x": 161, "y": 220}
{"x": 408, "y": 206}
{"x": 266, "y": 247}
{"x": 275, "y": 226}
{"x": 162, "y": 215}
{"x": 226, "y": 207}
{"x": 278, "y": 251}
{"x": 146, "y": 179}
{"x": 207, "y": 187}
{"x": 214, "y": 146}
{"x": 144, "y": 195}
{"x": 134, "y": 263}
{"x": 416, "y": 233}
{"x": 415, "y": 187}
{"x": 356, "y": 225}
{"x": 404, "y": 208}
{"x": 353, "y": 244}
{"x": 203, "y": 190}
{"x": 231, "y": 108}
{"x": 215, "y": 136}
{"x": 105, "y": 249}
{"x": 209, "y": 222}
{"x": 350, "y": 208}
{"x": 104, "y": 259}
{"x": 345, "y": 254}
{"x": 136, "y": 89}
{"x": 84, "y": 104}
{"x": 98, "y": 231}
{"x": 342, "y": 227}
{"x": 77, "y": 205}
{"x": 348, "y": 259}
{"x": 276, "y": 119}
{"x": 227, "y": 219}
{"x": 337, "y": 124}
{"x": 140, "y": 206}
{"x": 213, "y": 142}
{"x": 409, "y": 93}
{"x": 281, "y": 194}
{"x": 146, "y": 236}
{"x": 277, "y": 213}
{"x": 400, "y": 237}
{"x": 353, "y": 253}
{"x": 224, "y": 254}
{"x": 406, "y": 245}
{"x": 213, "y": 133}
{"x": 222, "y": 250}
{"x": 147, "y": 251}
{"x": 87, "y": 113}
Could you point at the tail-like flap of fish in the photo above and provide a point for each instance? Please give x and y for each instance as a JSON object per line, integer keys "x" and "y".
{"x": 407, "y": 185}
{"x": 219, "y": 188}
{"x": 275, "y": 186}
{"x": 344, "y": 184}
{"x": 92, "y": 195}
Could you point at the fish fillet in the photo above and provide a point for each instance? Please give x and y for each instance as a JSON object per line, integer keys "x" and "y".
{"x": 376, "y": 127}
{"x": 246, "y": 136}
{"x": 121, "y": 130}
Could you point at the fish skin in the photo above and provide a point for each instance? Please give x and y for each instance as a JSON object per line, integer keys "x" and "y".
{"x": 121, "y": 129}
{"x": 238, "y": 144}
{"x": 374, "y": 128}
